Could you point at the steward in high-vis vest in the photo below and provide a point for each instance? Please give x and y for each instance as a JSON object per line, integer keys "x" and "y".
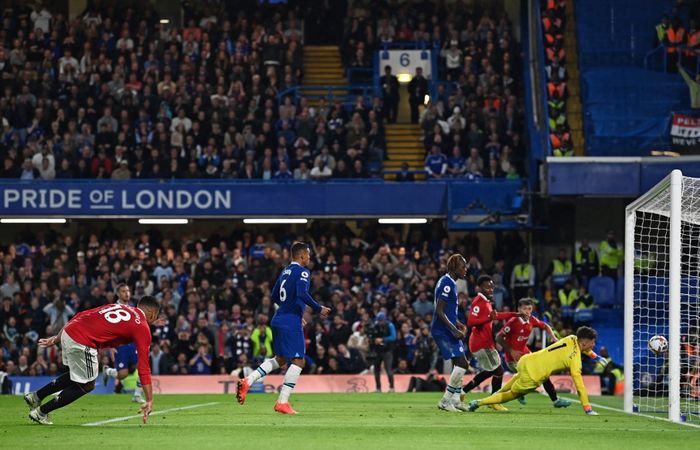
{"x": 611, "y": 254}
{"x": 660, "y": 31}
{"x": 585, "y": 263}
{"x": 522, "y": 279}
{"x": 611, "y": 374}
{"x": 560, "y": 270}
{"x": 583, "y": 311}
{"x": 675, "y": 38}
{"x": 567, "y": 297}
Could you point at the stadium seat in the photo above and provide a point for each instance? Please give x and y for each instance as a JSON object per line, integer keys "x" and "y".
{"x": 603, "y": 291}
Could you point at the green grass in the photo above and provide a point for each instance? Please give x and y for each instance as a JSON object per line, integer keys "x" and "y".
{"x": 386, "y": 421}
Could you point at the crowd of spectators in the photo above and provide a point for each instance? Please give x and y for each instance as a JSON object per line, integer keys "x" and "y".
{"x": 473, "y": 125}
{"x": 553, "y": 27}
{"x": 215, "y": 292}
{"x": 115, "y": 93}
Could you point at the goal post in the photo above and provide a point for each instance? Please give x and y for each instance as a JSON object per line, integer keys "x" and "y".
{"x": 662, "y": 286}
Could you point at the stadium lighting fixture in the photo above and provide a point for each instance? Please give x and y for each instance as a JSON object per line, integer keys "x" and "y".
{"x": 164, "y": 21}
{"x": 34, "y": 220}
{"x": 402, "y": 220}
{"x": 163, "y": 221}
{"x": 404, "y": 77}
{"x": 275, "y": 220}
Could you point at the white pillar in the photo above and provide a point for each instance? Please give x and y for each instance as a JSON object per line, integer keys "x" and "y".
{"x": 674, "y": 297}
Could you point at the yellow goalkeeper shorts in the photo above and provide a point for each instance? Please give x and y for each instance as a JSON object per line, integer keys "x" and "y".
{"x": 523, "y": 382}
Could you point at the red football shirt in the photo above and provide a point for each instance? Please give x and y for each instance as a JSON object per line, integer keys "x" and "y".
{"x": 481, "y": 323}
{"x": 111, "y": 326}
{"x": 516, "y": 333}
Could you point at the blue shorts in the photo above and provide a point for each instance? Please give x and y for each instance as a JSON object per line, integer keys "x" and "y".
{"x": 126, "y": 357}
{"x": 450, "y": 346}
{"x": 287, "y": 343}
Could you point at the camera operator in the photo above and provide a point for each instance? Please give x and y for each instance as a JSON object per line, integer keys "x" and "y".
{"x": 382, "y": 336}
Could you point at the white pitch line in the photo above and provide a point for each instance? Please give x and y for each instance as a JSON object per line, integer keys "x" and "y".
{"x": 121, "y": 419}
{"x": 610, "y": 408}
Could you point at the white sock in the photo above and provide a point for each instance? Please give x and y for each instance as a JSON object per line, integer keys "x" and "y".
{"x": 111, "y": 372}
{"x": 455, "y": 385}
{"x": 138, "y": 392}
{"x": 290, "y": 380}
{"x": 264, "y": 368}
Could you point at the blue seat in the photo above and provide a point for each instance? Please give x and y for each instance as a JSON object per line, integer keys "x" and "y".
{"x": 603, "y": 290}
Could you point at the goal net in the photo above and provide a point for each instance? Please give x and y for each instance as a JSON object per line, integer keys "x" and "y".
{"x": 662, "y": 285}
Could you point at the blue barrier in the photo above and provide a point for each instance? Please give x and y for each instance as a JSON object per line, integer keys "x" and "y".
{"x": 620, "y": 177}
{"x": 203, "y": 199}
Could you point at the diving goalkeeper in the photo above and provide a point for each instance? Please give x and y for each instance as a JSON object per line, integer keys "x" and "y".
{"x": 535, "y": 368}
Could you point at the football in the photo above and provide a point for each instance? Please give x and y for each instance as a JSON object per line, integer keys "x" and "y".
{"x": 658, "y": 344}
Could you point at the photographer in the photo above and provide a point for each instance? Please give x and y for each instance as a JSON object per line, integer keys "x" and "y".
{"x": 382, "y": 335}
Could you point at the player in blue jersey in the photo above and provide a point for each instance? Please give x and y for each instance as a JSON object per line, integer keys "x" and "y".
{"x": 291, "y": 293}
{"x": 448, "y": 332}
{"x": 126, "y": 358}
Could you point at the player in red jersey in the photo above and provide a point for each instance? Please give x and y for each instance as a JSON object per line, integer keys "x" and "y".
{"x": 481, "y": 344}
{"x": 104, "y": 327}
{"x": 513, "y": 338}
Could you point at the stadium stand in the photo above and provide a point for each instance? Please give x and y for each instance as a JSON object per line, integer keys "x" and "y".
{"x": 621, "y": 117}
{"x": 478, "y": 100}
{"x": 116, "y": 94}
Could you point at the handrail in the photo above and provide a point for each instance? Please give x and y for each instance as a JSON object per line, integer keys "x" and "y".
{"x": 331, "y": 91}
{"x": 680, "y": 49}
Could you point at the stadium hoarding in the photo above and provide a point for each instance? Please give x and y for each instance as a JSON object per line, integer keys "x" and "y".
{"x": 224, "y": 384}
{"x": 222, "y": 199}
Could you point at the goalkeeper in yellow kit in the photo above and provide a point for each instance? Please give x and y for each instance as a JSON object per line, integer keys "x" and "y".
{"x": 535, "y": 368}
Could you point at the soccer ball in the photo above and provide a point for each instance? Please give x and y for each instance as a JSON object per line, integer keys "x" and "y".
{"x": 658, "y": 344}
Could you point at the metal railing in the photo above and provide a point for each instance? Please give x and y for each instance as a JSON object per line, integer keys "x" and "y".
{"x": 661, "y": 53}
{"x": 347, "y": 93}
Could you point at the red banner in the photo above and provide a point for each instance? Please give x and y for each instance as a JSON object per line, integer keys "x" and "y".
{"x": 222, "y": 384}
{"x": 685, "y": 134}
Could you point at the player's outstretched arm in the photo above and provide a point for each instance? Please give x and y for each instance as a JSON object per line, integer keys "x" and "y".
{"x": 550, "y": 332}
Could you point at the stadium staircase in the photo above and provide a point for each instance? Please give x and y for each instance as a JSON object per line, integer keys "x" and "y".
{"x": 322, "y": 66}
{"x": 574, "y": 111}
{"x": 404, "y": 145}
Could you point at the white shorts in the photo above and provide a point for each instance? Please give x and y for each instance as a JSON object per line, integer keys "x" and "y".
{"x": 488, "y": 359}
{"x": 80, "y": 359}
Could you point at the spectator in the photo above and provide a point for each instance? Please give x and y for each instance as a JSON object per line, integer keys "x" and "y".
{"x": 262, "y": 342}
{"x": 436, "y": 163}
{"x": 417, "y": 90}
{"x": 585, "y": 263}
{"x": 611, "y": 254}
{"x": 390, "y": 94}
{"x": 405, "y": 174}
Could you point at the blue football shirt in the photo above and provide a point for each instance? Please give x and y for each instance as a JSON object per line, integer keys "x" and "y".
{"x": 291, "y": 293}
{"x": 446, "y": 291}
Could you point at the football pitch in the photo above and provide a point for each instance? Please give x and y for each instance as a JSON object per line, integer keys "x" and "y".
{"x": 383, "y": 421}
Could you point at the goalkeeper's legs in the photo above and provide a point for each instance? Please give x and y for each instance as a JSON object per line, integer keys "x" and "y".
{"x": 508, "y": 385}
{"x": 498, "y": 398}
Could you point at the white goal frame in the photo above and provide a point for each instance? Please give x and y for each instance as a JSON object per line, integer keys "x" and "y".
{"x": 674, "y": 183}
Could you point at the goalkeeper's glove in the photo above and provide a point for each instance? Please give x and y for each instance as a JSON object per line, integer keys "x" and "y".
{"x": 589, "y": 410}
